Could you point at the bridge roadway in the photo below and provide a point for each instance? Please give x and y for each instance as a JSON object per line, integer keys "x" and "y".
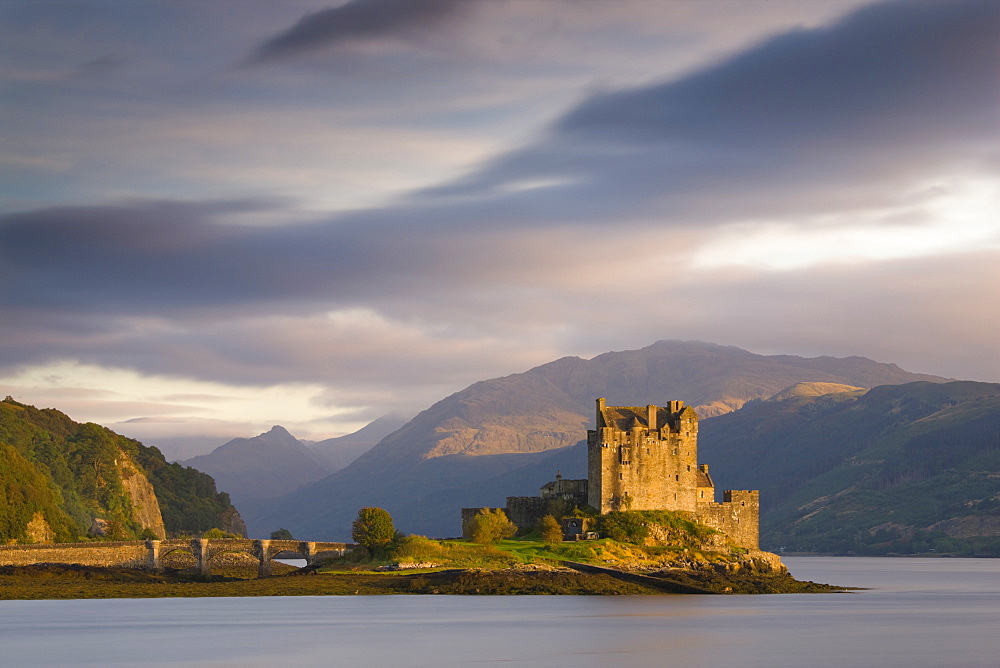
{"x": 149, "y": 554}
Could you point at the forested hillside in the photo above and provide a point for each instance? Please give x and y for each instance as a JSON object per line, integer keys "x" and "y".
{"x": 57, "y": 476}
{"x": 899, "y": 468}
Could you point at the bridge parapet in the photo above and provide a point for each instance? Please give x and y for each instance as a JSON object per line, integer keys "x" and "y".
{"x": 149, "y": 554}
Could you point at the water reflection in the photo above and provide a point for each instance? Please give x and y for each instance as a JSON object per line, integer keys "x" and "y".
{"x": 919, "y": 613}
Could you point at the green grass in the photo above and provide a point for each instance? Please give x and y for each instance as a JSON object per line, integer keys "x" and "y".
{"x": 515, "y": 552}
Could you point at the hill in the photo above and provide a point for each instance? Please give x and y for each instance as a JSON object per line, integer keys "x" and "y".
{"x": 904, "y": 468}
{"x": 57, "y": 476}
{"x": 262, "y": 467}
{"x": 449, "y": 455}
{"x": 339, "y": 452}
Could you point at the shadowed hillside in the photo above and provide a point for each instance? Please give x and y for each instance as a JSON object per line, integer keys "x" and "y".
{"x": 262, "y": 467}
{"x": 900, "y": 468}
{"x": 340, "y": 451}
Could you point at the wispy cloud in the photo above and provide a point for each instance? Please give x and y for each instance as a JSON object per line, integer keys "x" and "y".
{"x": 357, "y": 20}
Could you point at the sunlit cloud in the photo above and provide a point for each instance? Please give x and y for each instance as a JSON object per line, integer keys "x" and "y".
{"x": 950, "y": 218}
{"x": 380, "y": 212}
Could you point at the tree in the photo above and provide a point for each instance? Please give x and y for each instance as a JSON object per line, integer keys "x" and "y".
{"x": 491, "y": 526}
{"x": 216, "y": 532}
{"x": 373, "y": 528}
{"x": 550, "y": 530}
{"x": 282, "y": 534}
{"x": 623, "y": 526}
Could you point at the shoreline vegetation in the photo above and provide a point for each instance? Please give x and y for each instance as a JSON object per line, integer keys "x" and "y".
{"x": 418, "y": 565}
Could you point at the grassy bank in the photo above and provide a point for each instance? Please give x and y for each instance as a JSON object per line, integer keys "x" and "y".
{"x": 417, "y": 565}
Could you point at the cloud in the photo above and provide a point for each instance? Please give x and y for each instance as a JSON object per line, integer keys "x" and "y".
{"x": 355, "y": 21}
{"x": 829, "y": 117}
{"x": 745, "y": 203}
{"x": 837, "y": 120}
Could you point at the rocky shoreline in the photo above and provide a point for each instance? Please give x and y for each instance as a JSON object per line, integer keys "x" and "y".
{"x": 61, "y": 581}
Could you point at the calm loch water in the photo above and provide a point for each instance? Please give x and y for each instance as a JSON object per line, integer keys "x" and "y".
{"x": 919, "y": 612}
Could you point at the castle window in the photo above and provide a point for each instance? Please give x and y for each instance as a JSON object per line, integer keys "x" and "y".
{"x": 621, "y": 476}
{"x": 677, "y": 477}
{"x": 675, "y": 451}
{"x": 689, "y": 467}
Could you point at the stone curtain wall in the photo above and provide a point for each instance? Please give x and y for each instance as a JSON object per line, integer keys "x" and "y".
{"x": 738, "y": 516}
{"x": 526, "y": 511}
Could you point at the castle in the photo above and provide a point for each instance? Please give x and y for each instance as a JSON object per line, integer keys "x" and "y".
{"x": 642, "y": 458}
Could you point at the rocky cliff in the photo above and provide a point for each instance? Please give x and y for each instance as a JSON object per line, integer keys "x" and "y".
{"x": 145, "y": 508}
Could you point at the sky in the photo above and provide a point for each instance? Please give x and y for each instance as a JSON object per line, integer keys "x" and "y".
{"x": 218, "y": 216}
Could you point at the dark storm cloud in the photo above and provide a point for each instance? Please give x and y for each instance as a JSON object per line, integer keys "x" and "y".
{"x": 818, "y": 120}
{"x": 890, "y": 89}
{"x": 356, "y": 20}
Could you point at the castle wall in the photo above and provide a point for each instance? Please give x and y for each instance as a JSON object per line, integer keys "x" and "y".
{"x": 738, "y": 516}
{"x": 526, "y": 511}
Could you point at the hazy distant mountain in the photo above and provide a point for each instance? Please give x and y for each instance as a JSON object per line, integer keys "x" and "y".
{"x": 340, "y": 451}
{"x": 899, "y": 468}
{"x": 262, "y": 467}
{"x": 443, "y": 458}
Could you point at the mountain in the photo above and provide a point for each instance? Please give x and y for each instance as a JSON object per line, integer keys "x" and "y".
{"x": 58, "y": 476}
{"x": 812, "y": 390}
{"x": 262, "y": 467}
{"x": 445, "y": 457}
{"x": 898, "y": 468}
{"x": 340, "y": 451}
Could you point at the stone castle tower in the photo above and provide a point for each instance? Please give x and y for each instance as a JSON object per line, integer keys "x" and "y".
{"x": 646, "y": 458}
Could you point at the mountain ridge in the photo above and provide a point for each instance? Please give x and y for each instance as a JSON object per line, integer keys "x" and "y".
{"x": 542, "y": 410}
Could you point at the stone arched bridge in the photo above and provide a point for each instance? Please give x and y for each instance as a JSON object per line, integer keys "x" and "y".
{"x": 148, "y": 554}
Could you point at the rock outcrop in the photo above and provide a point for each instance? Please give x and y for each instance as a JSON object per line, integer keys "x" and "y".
{"x": 145, "y": 507}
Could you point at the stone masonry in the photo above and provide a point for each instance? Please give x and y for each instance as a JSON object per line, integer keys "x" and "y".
{"x": 149, "y": 554}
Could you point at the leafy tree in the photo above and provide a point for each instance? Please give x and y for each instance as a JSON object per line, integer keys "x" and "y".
{"x": 550, "y": 530}
{"x": 282, "y": 534}
{"x": 373, "y": 528}
{"x": 218, "y": 533}
{"x": 491, "y": 526}
{"x": 623, "y": 526}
